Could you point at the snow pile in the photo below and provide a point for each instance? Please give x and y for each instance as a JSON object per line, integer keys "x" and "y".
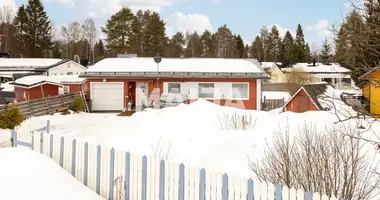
{"x": 30, "y": 175}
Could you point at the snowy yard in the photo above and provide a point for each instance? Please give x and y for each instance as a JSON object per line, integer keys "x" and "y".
{"x": 193, "y": 134}
{"x": 27, "y": 174}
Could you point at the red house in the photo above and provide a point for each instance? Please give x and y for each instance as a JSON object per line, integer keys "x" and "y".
{"x": 307, "y": 98}
{"x": 36, "y": 87}
{"x": 115, "y": 83}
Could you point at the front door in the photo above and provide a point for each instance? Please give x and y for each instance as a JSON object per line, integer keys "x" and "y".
{"x": 141, "y": 95}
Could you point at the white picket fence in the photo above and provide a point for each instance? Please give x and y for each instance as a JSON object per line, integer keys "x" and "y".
{"x": 119, "y": 175}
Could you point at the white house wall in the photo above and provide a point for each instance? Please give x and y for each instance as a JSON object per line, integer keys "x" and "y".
{"x": 65, "y": 68}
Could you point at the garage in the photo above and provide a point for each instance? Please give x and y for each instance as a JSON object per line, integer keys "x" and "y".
{"x": 107, "y": 96}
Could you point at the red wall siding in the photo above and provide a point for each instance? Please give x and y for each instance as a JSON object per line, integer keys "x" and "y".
{"x": 35, "y": 92}
{"x": 247, "y": 104}
{"x": 77, "y": 87}
{"x": 301, "y": 103}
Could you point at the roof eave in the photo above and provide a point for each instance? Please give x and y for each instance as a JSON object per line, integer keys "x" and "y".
{"x": 261, "y": 75}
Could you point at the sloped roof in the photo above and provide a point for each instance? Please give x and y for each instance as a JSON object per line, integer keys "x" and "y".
{"x": 29, "y": 81}
{"x": 175, "y": 67}
{"x": 366, "y": 75}
{"x": 314, "y": 92}
{"x": 29, "y": 64}
{"x": 319, "y": 68}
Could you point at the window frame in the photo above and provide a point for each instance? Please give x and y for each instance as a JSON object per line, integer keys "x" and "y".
{"x": 69, "y": 73}
{"x": 206, "y": 98}
{"x": 231, "y": 89}
{"x": 68, "y": 89}
{"x": 180, "y": 87}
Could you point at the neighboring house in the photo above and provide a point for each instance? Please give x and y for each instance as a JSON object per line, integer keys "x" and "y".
{"x": 334, "y": 74}
{"x": 307, "y": 98}
{"x": 14, "y": 68}
{"x": 116, "y": 82}
{"x": 36, "y": 87}
{"x": 371, "y": 90}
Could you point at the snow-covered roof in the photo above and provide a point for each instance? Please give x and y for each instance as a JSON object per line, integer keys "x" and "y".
{"x": 318, "y": 68}
{"x": 28, "y": 63}
{"x": 57, "y": 79}
{"x": 265, "y": 65}
{"x": 145, "y": 66}
{"x": 7, "y": 87}
{"x": 334, "y": 75}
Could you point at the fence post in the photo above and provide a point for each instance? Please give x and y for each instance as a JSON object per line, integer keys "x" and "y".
{"x": 225, "y": 187}
{"x": 51, "y": 146}
{"x": 162, "y": 180}
{"x": 250, "y": 189}
{"x": 278, "y": 192}
{"x": 48, "y": 126}
{"x": 41, "y": 143}
{"x": 143, "y": 178}
{"x": 74, "y": 152}
{"x": 202, "y": 185}
{"x": 181, "y": 192}
{"x": 98, "y": 162}
{"x": 85, "y": 164}
{"x": 112, "y": 167}
{"x": 127, "y": 175}
{"x": 61, "y": 151}
{"x": 13, "y": 138}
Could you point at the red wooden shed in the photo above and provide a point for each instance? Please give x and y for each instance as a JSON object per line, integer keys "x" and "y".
{"x": 36, "y": 87}
{"x": 307, "y": 98}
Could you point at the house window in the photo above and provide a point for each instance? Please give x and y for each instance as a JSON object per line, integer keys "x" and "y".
{"x": 206, "y": 90}
{"x": 328, "y": 80}
{"x": 66, "y": 89}
{"x": 240, "y": 90}
{"x": 69, "y": 73}
{"x": 174, "y": 88}
{"x": 346, "y": 81}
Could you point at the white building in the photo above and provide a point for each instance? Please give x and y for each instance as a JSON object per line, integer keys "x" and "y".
{"x": 333, "y": 74}
{"x": 14, "y": 68}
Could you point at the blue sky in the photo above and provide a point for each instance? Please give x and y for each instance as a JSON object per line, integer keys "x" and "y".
{"x": 242, "y": 16}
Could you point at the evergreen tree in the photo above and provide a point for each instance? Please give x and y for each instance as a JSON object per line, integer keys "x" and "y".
{"x": 207, "y": 45}
{"x": 99, "y": 51}
{"x": 19, "y": 22}
{"x": 341, "y": 46}
{"x": 118, "y": 30}
{"x": 38, "y": 37}
{"x": 155, "y": 40}
{"x": 287, "y": 47}
{"x": 136, "y": 38}
{"x": 57, "y": 49}
{"x": 264, "y": 35}
{"x": 193, "y": 45}
{"x": 256, "y": 50}
{"x": 246, "y": 51}
{"x": 308, "y": 53}
{"x": 274, "y": 44}
{"x": 176, "y": 45}
{"x": 299, "y": 45}
{"x": 224, "y": 42}
{"x": 239, "y": 45}
{"x": 325, "y": 54}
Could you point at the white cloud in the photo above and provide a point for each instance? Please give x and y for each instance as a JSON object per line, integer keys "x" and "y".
{"x": 282, "y": 30}
{"x": 322, "y": 28}
{"x": 67, "y": 2}
{"x": 247, "y": 42}
{"x": 187, "y": 22}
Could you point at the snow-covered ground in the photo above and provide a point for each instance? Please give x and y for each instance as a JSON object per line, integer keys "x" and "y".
{"x": 193, "y": 134}
{"x": 30, "y": 175}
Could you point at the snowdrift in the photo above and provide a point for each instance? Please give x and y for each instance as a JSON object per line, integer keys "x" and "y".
{"x": 27, "y": 174}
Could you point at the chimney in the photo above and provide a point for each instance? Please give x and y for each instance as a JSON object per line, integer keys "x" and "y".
{"x": 314, "y": 62}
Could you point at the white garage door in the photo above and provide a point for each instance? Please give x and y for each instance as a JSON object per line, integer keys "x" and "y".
{"x": 107, "y": 96}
